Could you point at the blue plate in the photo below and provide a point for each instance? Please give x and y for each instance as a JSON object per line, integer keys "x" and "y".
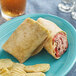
{"x": 58, "y": 67}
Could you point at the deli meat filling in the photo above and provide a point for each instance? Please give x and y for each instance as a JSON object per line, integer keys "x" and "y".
{"x": 61, "y": 43}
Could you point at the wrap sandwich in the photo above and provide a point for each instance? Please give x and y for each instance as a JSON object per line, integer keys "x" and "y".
{"x": 57, "y": 42}
{"x": 26, "y": 39}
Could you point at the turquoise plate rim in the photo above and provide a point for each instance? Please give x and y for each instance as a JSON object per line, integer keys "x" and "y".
{"x": 41, "y": 14}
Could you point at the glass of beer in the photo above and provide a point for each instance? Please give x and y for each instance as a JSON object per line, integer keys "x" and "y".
{"x": 12, "y": 8}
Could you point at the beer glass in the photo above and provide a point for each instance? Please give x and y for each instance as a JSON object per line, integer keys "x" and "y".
{"x": 12, "y": 8}
{"x": 66, "y": 5}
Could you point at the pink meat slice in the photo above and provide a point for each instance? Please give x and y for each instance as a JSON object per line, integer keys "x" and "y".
{"x": 61, "y": 42}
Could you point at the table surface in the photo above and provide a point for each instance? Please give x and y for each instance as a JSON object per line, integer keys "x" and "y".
{"x": 48, "y": 7}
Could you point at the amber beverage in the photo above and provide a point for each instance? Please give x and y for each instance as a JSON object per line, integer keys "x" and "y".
{"x": 12, "y": 8}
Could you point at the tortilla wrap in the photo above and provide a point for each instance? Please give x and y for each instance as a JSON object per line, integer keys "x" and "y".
{"x": 25, "y": 39}
{"x": 54, "y": 44}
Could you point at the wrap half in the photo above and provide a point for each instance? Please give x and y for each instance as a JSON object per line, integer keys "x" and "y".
{"x": 26, "y": 39}
{"x": 57, "y": 42}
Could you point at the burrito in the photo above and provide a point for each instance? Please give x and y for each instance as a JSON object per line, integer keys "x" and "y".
{"x": 26, "y": 39}
{"x": 57, "y": 42}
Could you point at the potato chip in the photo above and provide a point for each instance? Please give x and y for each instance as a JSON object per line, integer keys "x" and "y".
{"x": 35, "y": 74}
{"x": 5, "y": 72}
{"x": 18, "y": 65}
{"x": 18, "y": 70}
{"x": 5, "y": 63}
{"x": 37, "y": 68}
